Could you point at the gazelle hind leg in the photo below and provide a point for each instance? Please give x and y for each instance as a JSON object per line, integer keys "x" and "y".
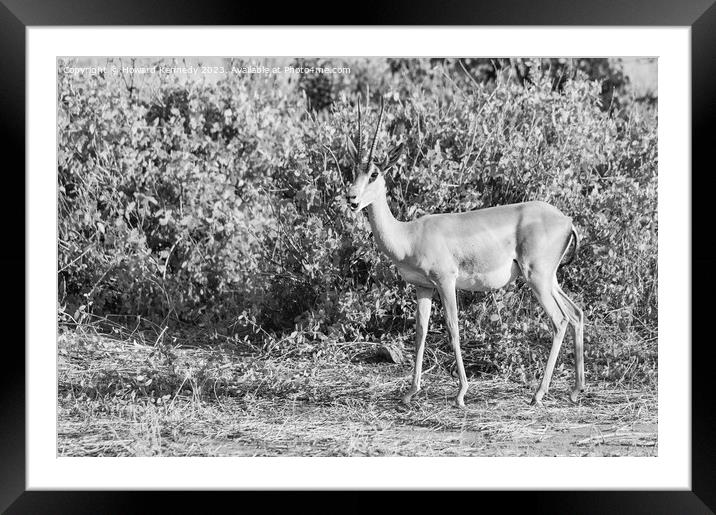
{"x": 576, "y": 321}
{"x": 547, "y": 294}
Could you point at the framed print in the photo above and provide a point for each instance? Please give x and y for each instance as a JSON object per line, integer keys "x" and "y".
{"x": 454, "y": 256}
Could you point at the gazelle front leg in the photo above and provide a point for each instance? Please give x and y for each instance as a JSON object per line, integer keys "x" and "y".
{"x": 446, "y": 288}
{"x": 422, "y": 316}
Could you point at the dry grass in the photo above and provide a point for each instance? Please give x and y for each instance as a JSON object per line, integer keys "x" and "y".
{"x": 122, "y": 395}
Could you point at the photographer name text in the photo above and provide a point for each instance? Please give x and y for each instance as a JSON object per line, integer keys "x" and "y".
{"x": 201, "y": 70}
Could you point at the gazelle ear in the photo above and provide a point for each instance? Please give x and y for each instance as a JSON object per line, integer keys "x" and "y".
{"x": 352, "y": 150}
{"x": 393, "y": 155}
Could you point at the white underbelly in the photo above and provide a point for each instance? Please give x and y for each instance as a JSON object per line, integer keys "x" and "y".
{"x": 487, "y": 280}
{"x": 468, "y": 280}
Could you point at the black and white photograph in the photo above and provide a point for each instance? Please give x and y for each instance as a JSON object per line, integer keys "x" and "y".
{"x": 354, "y": 257}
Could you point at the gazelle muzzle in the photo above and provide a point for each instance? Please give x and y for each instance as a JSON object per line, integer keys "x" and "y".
{"x": 352, "y": 201}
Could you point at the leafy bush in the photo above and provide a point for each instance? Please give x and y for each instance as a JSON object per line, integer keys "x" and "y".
{"x": 222, "y": 203}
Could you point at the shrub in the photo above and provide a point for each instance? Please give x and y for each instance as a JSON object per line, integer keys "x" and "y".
{"x": 222, "y": 203}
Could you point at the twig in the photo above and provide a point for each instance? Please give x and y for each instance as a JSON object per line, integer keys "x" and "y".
{"x": 604, "y": 436}
{"x": 335, "y": 159}
{"x": 468, "y": 73}
{"x": 77, "y": 258}
{"x": 164, "y": 329}
{"x": 166, "y": 263}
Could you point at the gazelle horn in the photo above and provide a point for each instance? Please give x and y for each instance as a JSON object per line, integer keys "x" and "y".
{"x": 375, "y": 136}
{"x": 360, "y": 137}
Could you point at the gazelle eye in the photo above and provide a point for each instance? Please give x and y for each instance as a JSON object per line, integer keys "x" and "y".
{"x": 374, "y": 175}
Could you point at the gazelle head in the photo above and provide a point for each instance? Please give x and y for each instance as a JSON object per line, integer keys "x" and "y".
{"x": 368, "y": 179}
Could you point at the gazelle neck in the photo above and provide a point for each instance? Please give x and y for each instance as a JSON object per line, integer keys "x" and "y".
{"x": 389, "y": 233}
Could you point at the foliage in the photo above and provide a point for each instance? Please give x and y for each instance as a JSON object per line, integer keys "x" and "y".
{"x": 221, "y": 203}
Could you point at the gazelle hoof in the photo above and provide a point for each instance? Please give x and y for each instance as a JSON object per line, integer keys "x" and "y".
{"x": 459, "y": 403}
{"x": 408, "y": 396}
{"x": 574, "y": 396}
{"x": 536, "y": 401}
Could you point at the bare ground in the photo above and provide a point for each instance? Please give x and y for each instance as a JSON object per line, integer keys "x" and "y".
{"x": 120, "y": 397}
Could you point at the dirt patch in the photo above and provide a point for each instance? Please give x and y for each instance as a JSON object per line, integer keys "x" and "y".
{"x": 119, "y": 398}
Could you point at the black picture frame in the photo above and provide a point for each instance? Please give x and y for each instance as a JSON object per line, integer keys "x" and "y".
{"x": 17, "y": 15}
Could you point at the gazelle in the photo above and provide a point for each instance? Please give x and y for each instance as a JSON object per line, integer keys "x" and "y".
{"x": 479, "y": 250}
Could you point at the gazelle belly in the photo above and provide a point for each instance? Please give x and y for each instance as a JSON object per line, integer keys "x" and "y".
{"x": 474, "y": 279}
{"x": 469, "y": 278}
